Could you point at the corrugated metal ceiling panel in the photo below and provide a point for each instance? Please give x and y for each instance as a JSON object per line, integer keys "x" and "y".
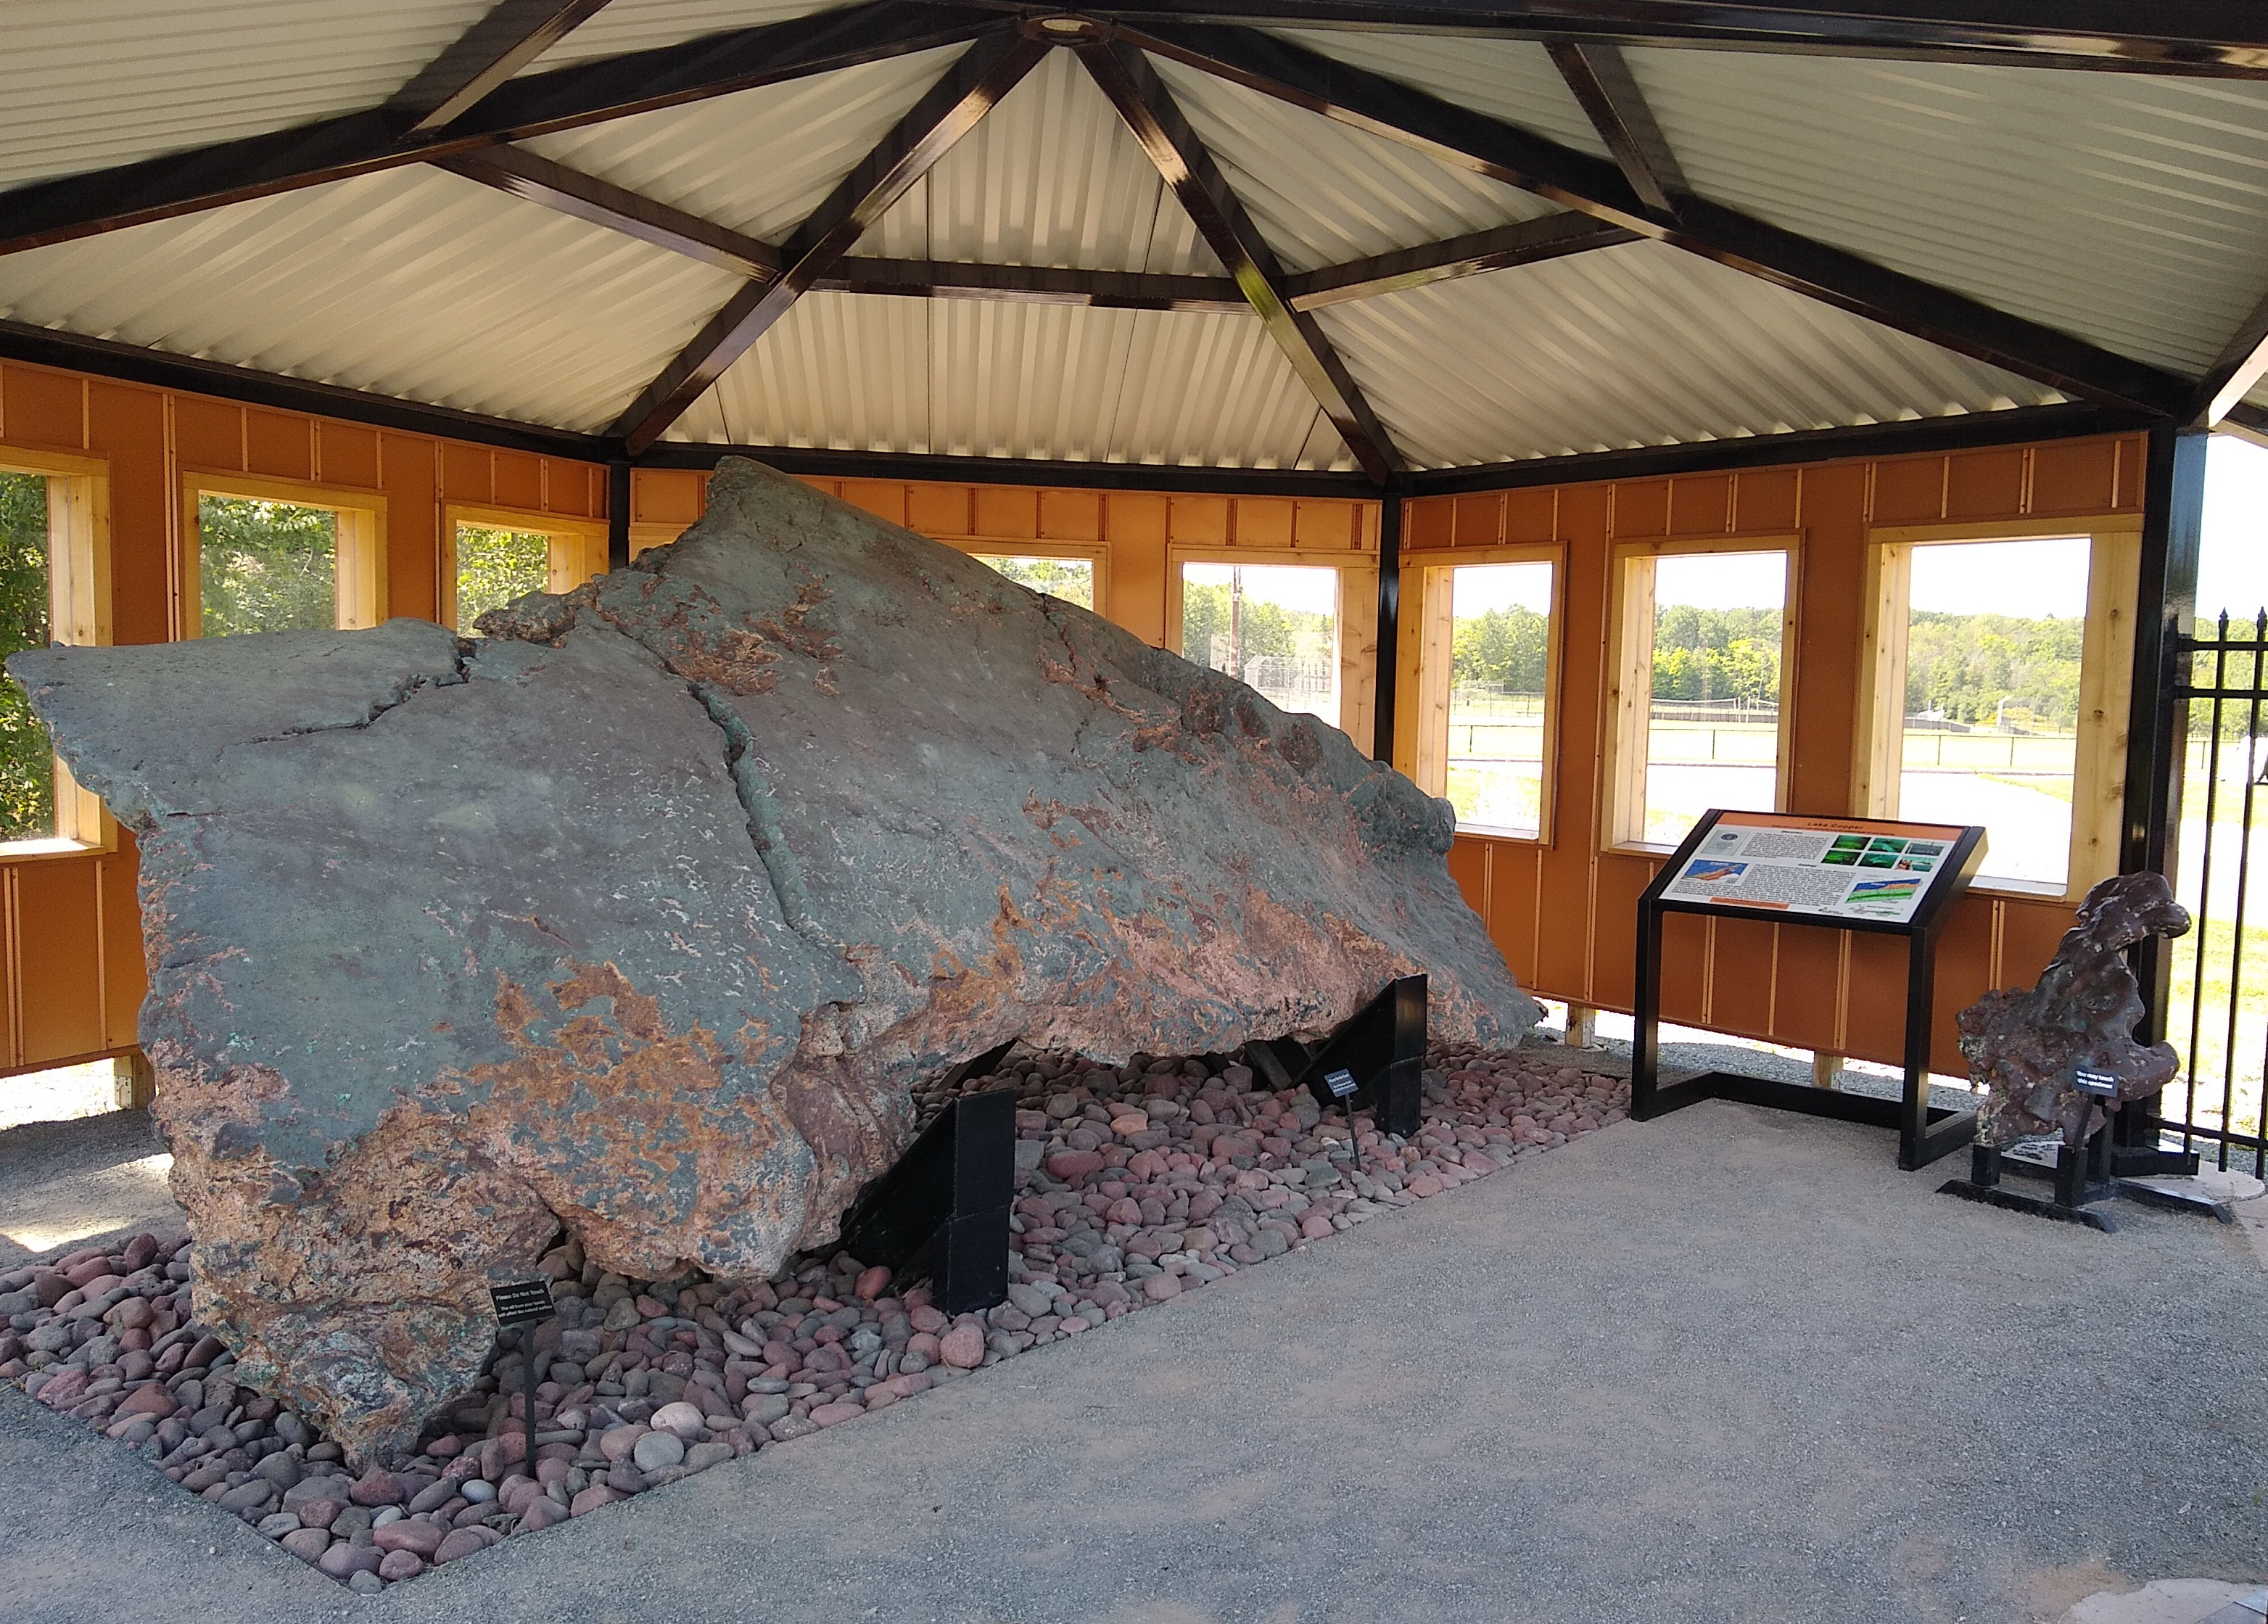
{"x": 411, "y": 282}
{"x": 964, "y": 378}
{"x": 644, "y": 25}
{"x": 1510, "y": 79}
{"x": 1638, "y": 345}
{"x": 2130, "y": 209}
{"x": 1050, "y": 177}
{"x": 90, "y": 85}
{"x": 762, "y": 160}
{"x": 1322, "y": 193}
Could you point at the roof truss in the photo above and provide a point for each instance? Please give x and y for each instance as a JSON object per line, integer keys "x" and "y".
{"x": 1132, "y": 85}
{"x": 1473, "y": 141}
{"x": 2216, "y": 38}
{"x": 512, "y": 34}
{"x": 1607, "y": 92}
{"x": 355, "y": 144}
{"x": 970, "y": 88}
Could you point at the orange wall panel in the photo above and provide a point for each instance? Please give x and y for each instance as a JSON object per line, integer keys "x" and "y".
{"x": 1007, "y": 512}
{"x": 125, "y": 977}
{"x": 1070, "y": 515}
{"x": 40, "y": 408}
{"x": 346, "y": 454}
{"x": 57, "y": 907}
{"x": 413, "y": 529}
{"x": 279, "y": 446}
{"x": 144, "y": 509}
{"x": 1570, "y": 927}
{"x": 516, "y": 480}
{"x": 208, "y": 434}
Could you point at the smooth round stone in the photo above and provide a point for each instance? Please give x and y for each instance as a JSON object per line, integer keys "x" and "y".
{"x": 681, "y": 1418}
{"x": 963, "y": 1346}
{"x": 396, "y": 1565}
{"x": 835, "y": 1414}
{"x": 419, "y": 1539}
{"x": 591, "y": 1499}
{"x": 1161, "y": 1286}
{"x": 542, "y": 1515}
{"x": 342, "y": 1559}
{"x": 363, "y": 1582}
{"x": 658, "y": 1450}
{"x": 456, "y": 1544}
{"x": 477, "y": 1490}
{"x": 306, "y": 1544}
{"x": 701, "y": 1456}
{"x": 617, "y": 1442}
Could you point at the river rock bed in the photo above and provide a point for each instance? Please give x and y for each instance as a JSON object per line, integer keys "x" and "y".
{"x": 1134, "y": 1184}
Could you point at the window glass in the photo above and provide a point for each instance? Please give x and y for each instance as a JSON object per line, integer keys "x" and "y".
{"x": 266, "y": 567}
{"x": 1072, "y": 579}
{"x": 1991, "y": 701}
{"x": 1713, "y": 728}
{"x": 27, "y": 760}
{"x": 1499, "y": 655}
{"x": 495, "y": 566}
{"x": 1273, "y": 625}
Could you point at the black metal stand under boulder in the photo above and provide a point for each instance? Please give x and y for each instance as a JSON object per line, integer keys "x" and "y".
{"x": 1380, "y": 1052}
{"x": 942, "y": 1211}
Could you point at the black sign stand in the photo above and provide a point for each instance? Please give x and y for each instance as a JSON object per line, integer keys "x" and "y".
{"x": 523, "y": 1306}
{"x": 942, "y": 1210}
{"x": 1925, "y": 1133}
{"x": 1379, "y": 1050}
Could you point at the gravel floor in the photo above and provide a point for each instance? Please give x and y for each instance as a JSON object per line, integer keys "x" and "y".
{"x": 78, "y": 1182}
{"x": 1730, "y": 1366}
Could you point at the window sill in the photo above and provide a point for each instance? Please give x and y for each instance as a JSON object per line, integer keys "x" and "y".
{"x": 40, "y": 851}
{"x": 1513, "y": 837}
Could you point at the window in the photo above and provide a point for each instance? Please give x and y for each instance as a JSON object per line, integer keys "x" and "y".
{"x": 265, "y": 566}
{"x": 493, "y": 556}
{"x": 1274, "y": 626}
{"x": 54, "y": 588}
{"x": 1480, "y": 661}
{"x": 1072, "y": 579}
{"x": 1704, "y": 634}
{"x": 1499, "y": 668}
{"x": 277, "y": 555}
{"x": 1991, "y": 662}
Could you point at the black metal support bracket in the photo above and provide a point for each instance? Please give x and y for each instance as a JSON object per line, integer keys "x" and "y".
{"x": 1383, "y": 1049}
{"x": 2083, "y": 1178}
{"x": 942, "y": 1211}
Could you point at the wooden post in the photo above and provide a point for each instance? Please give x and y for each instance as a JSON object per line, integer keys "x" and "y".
{"x": 136, "y": 1080}
{"x": 1582, "y": 1024}
{"x": 1823, "y": 1067}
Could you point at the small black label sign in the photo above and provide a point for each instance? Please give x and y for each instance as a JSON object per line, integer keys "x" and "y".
{"x": 523, "y": 1303}
{"x": 1341, "y": 1084}
{"x": 2104, "y": 1085}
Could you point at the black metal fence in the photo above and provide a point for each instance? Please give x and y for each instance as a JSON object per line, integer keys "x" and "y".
{"x": 2217, "y": 1002}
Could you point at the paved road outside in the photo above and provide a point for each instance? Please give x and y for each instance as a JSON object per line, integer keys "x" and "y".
{"x": 1727, "y": 1366}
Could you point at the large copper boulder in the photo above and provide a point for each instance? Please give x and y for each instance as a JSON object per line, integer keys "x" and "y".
{"x": 643, "y": 913}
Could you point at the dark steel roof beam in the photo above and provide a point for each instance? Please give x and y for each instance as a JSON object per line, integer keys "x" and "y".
{"x": 2242, "y": 363}
{"x": 529, "y": 175}
{"x": 355, "y": 144}
{"x": 972, "y": 87}
{"x": 1500, "y": 248}
{"x": 1132, "y": 85}
{"x": 1036, "y": 285}
{"x": 512, "y": 34}
{"x": 1608, "y": 93}
{"x": 2191, "y": 38}
{"x": 1486, "y": 146}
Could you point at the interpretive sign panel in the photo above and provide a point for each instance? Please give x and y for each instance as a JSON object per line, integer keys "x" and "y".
{"x": 1855, "y": 874}
{"x": 1829, "y": 869}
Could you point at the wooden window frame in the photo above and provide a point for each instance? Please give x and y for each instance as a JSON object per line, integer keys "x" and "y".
{"x": 1095, "y": 553}
{"x": 78, "y": 613}
{"x": 1630, "y": 677}
{"x": 1427, "y": 630}
{"x": 576, "y": 550}
{"x": 1358, "y": 618}
{"x": 2106, "y": 679}
{"x": 360, "y": 558}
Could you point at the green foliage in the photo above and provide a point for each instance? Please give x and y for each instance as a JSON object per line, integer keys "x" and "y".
{"x": 1072, "y": 579}
{"x": 27, "y": 761}
{"x": 495, "y": 566}
{"x": 1964, "y": 666}
{"x": 1504, "y": 647}
{"x": 1262, "y": 627}
{"x": 266, "y": 567}
{"x": 1712, "y": 653}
